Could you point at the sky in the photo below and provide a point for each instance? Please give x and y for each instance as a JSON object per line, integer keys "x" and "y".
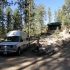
{"x": 53, "y": 4}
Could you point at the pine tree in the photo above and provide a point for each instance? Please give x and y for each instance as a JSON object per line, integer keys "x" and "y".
{"x": 40, "y": 16}
{"x": 55, "y": 16}
{"x": 49, "y": 15}
{"x": 27, "y": 8}
{"x": 8, "y": 18}
{"x": 2, "y": 25}
{"x": 17, "y": 19}
{"x": 59, "y": 15}
{"x": 66, "y": 12}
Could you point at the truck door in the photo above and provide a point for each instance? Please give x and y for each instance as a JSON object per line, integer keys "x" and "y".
{"x": 22, "y": 43}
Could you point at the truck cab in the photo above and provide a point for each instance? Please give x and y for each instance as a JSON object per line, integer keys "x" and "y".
{"x": 15, "y": 41}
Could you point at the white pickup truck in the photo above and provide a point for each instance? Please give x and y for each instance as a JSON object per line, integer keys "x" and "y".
{"x": 15, "y": 41}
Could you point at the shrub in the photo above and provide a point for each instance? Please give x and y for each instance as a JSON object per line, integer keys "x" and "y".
{"x": 56, "y": 32}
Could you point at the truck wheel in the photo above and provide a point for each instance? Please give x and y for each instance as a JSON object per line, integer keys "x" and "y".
{"x": 18, "y": 52}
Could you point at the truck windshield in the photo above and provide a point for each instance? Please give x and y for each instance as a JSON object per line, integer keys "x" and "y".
{"x": 12, "y": 39}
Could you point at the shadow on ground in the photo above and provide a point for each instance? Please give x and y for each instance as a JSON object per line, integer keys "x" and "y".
{"x": 30, "y": 61}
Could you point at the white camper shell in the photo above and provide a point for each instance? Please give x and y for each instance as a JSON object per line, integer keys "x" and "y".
{"x": 15, "y": 41}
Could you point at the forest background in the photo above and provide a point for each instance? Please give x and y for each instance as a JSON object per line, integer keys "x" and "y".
{"x": 32, "y": 17}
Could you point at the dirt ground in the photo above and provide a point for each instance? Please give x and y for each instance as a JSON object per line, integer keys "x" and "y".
{"x": 31, "y": 61}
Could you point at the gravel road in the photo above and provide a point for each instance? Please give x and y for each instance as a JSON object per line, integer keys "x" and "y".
{"x": 30, "y": 61}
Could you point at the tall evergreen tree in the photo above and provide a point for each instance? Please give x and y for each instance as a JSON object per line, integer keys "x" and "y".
{"x": 55, "y": 16}
{"x": 27, "y": 6}
{"x": 49, "y": 15}
{"x": 1, "y": 16}
{"x": 59, "y": 15}
{"x": 29, "y": 16}
{"x": 17, "y": 19}
{"x": 8, "y": 18}
{"x": 40, "y": 16}
{"x": 66, "y": 12}
{"x": 2, "y": 25}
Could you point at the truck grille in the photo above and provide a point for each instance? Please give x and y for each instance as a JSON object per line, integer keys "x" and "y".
{"x": 6, "y": 47}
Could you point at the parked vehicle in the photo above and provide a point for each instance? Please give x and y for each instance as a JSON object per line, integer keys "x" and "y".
{"x": 15, "y": 41}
